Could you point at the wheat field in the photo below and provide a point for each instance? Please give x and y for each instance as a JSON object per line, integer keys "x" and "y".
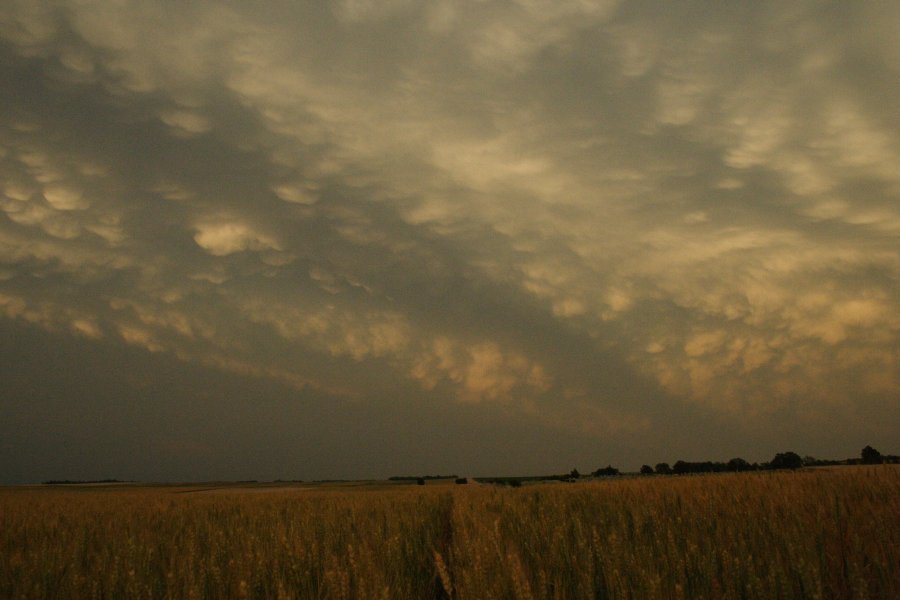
{"x": 813, "y": 533}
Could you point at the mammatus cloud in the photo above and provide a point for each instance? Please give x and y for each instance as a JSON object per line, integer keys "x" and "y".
{"x": 560, "y": 207}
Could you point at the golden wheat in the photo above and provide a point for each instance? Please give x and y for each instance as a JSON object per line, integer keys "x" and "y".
{"x": 809, "y": 534}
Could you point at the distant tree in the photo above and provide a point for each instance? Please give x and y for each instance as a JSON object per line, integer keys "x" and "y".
{"x": 646, "y": 470}
{"x": 871, "y": 456}
{"x": 663, "y": 469}
{"x": 681, "y": 467}
{"x": 420, "y": 481}
{"x": 574, "y": 474}
{"x": 786, "y": 460}
{"x": 515, "y": 483}
{"x": 738, "y": 464}
{"x": 461, "y": 481}
{"x": 607, "y": 471}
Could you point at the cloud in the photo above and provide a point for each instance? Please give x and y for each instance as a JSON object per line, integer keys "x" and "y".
{"x": 560, "y": 207}
{"x": 186, "y": 122}
{"x": 222, "y": 239}
{"x": 64, "y": 198}
{"x": 297, "y": 193}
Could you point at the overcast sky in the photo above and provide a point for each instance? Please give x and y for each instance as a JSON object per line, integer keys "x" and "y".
{"x": 369, "y": 238}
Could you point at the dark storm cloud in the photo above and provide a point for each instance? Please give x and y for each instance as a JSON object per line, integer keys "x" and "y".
{"x": 599, "y": 217}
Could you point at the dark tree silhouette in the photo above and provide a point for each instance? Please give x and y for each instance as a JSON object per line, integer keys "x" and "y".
{"x": 738, "y": 464}
{"x": 786, "y": 460}
{"x": 681, "y": 467}
{"x": 607, "y": 471}
{"x": 871, "y": 456}
{"x": 646, "y": 470}
{"x": 663, "y": 469}
{"x": 574, "y": 474}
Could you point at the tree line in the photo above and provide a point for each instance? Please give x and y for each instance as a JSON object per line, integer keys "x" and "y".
{"x": 782, "y": 460}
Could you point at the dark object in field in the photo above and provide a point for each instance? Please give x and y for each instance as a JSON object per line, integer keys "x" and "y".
{"x": 871, "y": 456}
{"x": 607, "y": 471}
{"x": 461, "y": 481}
{"x": 739, "y": 464}
{"x": 786, "y": 460}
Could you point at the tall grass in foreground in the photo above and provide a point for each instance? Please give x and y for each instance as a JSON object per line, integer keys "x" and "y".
{"x": 156, "y": 544}
{"x": 810, "y": 534}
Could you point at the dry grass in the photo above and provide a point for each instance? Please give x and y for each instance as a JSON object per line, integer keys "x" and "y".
{"x": 810, "y": 534}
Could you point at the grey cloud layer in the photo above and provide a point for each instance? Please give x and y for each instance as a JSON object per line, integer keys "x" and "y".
{"x": 568, "y": 207}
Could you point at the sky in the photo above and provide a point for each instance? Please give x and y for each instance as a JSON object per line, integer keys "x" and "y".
{"x": 310, "y": 240}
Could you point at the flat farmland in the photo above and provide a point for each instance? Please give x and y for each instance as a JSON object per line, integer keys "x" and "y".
{"x": 813, "y": 533}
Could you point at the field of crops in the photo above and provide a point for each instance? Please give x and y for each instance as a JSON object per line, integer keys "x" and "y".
{"x": 807, "y": 534}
